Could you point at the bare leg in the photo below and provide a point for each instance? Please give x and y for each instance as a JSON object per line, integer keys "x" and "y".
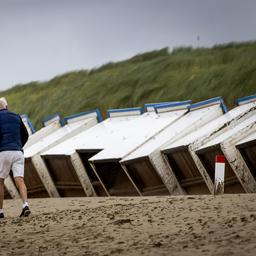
{"x": 1, "y": 193}
{"x": 22, "y": 188}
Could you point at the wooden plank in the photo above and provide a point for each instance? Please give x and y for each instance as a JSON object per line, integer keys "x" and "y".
{"x": 63, "y": 172}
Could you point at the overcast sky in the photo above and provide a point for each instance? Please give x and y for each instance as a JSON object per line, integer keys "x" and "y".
{"x": 40, "y": 39}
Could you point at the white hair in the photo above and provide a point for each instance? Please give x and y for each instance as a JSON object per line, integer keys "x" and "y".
{"x": 3, "y": 103}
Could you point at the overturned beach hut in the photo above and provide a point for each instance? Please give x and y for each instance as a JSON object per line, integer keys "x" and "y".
{"x": 247, "y": 146}
{"x": 182, "y": 159}
{"x": 238, "y": 178}
{"x": 71, "y": 157}
{"x": 39, "y": 182}
{"x": 34, "y": 136}
{"x": 28, "y": 124}
{"x": 247, "y": 149}
{"x": 146, "y": 161}
{"x": 49, "y": 127}
{"x": 107, "y": 165}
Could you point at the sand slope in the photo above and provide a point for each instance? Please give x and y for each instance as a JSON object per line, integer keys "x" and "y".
{"x": 192, "y": 225}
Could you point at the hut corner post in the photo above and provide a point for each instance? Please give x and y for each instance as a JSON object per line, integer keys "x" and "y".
{"x": 236, "y": 160}
{"x": 11, "y": 188}
{"x": 202, "y": 170}
{"x": 239, "y": 166}
{"x": 161, "y": 165}
{"x": 44, "y": 175}
{"x": 82, "y": 175}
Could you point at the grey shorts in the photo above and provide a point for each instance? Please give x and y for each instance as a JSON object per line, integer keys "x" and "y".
{"x": 11, "y": 160}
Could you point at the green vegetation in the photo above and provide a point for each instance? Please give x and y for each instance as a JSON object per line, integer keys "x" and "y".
{"x": 185, "y": 73}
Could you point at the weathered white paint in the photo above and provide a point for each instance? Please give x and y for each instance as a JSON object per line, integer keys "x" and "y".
{"x": 81, "y": 117}
{"x": 95, "y": 138}
{"x": 161, "y": 165}
{"x": 233, "y": 128}
{"x": 152, "y": 148}
{"x": 26, "y": 121}
{"x": 42, "y": 133}
{"x": 227, "y": 142}
{"x": 11, "y": 188}
{"x": 216, "y": 126}
{"x": 236, "y": 160}
{"x": 202, "y": 170}
{"x": 137, "y": 133}
{"x": 175, "y": 130}
{"x": 82, "y": 175}
{"x": 53, "y": 119}
{"x": 209, "y": 131}
{"x": 43, "y": 173}
{"x": 59, "y": 135}
{"x": 54, "y": 138}
{"x": 128, "y": 112}
{"x": 248, "y": 138}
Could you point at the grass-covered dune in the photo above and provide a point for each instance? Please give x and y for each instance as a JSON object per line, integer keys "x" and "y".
{"x": 185, "y": 73}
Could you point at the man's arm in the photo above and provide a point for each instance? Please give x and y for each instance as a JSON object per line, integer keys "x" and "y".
{"x": 0, "y": 136}
{"x": 23, "y": 133}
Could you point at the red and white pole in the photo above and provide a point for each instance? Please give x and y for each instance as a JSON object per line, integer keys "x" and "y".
{"x": 219, "y": 174}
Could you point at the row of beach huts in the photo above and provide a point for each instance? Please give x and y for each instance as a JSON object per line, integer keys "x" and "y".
{"x": 161, "y": 149}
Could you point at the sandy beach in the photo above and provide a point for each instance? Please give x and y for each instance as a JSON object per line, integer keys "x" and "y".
{"x": 179, "y": 225}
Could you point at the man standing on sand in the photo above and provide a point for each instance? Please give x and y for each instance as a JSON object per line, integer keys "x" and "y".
{"x": 13, "y": 136}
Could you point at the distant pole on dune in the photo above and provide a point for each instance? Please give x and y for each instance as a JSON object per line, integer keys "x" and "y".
{"x": 219, "y": 175}
{"x": 198, "y": 40}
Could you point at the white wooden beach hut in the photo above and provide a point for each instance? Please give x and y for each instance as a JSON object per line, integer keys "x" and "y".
{"x": 39, "y": 182}
{"x": 68, "y": 161}
{"x": 147, "y": 161}
{"x": 53, "y": 123}
{"x": 181, "y": 157}
{"x": 247, "y": 149}
{"x": 238, "y": 178}
{"x": 28, "y": 124}
{"x": 106, "y": 163}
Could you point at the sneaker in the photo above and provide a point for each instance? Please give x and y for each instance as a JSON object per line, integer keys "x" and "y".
{"x": 25, "y": 212}
{"x": 1, "y": 215}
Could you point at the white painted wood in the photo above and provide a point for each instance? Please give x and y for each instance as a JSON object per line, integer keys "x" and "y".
{"x": 95, "y": 138}
{"x": 212, "y": 129}
{"x": 58, "y": 136}
{"x": 82, "y": 175}
{"x": 11, "y": 188}
{"x": 25, "y": 122}
{"x": 177, "y": 130}
{"x": 251, "y": 137}
{"x": 161, "y": 165}
{"x": 51, "y": 136}
{"x": 194, "y": 140}
{"x": 42, "y": 133}
{"x": 136, "y": 133}
{"x": 236, "y": 160}
{"x": 202, "y": 170}
{"x": 227, "y": 141}
{"x": 44, "y": 175}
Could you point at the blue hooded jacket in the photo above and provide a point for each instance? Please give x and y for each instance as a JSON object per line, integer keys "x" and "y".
{"x": 13, "y": 133}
